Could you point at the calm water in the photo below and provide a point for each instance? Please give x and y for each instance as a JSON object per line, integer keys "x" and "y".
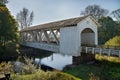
{"x": 55, "y": 60}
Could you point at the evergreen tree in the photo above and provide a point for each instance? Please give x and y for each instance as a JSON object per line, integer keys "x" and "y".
{"x": 108, "y": 29}
{"x": 8, "y": 26}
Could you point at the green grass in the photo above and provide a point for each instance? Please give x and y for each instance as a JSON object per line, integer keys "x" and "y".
{"x": 83, "y": 71}
{"x": 105, "y": 68}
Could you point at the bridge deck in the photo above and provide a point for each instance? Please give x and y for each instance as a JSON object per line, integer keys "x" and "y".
{"x": 91, "y": 50}
{"x": 44, "y": 46}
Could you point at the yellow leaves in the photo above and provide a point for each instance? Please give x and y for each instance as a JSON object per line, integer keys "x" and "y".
{"x": 115, "y": 41}
{"x": 5, "y": 67}
{"x": 3, "y": 9}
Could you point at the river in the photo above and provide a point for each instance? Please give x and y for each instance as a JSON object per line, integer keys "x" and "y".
{"x": 54, "y": 60}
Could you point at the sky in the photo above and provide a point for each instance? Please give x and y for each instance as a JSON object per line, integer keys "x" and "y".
{"x": 53, "y": 10}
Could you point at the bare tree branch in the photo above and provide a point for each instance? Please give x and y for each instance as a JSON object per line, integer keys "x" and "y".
{"x": 25, "y": 18}
{"x": 3, "y": 1}
{"x": 116, "y": 14}
{"x": 95, "y": 11}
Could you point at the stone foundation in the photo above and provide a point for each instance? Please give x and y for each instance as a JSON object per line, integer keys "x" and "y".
{"x": 84, "y": 58}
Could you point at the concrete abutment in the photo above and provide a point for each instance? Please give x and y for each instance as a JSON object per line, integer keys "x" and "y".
{"x": 84, "y": 58}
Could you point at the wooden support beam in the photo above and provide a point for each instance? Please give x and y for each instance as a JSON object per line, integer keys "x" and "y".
{"x": 56, "y": 39}
{"x": 46, "y": 36}
{"x": 42, "y": 35}
{"x": 39, "y": 36}
{"x": 30, "y": 37}
{"x": 25, "y": 36}
{"x": 35, "y": 36}
{"x": 32, "y": 34}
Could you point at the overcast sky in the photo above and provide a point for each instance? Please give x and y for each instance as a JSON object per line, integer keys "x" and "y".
{"x": 52, "y": 10}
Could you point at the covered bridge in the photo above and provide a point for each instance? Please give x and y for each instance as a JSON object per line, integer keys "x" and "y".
{"x": 65, "y": 36}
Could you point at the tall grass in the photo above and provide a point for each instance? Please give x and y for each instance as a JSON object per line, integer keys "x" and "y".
{"x": 41, "y": 75}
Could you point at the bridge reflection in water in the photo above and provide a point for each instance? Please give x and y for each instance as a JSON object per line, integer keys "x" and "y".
{"x": 56, "y": 61}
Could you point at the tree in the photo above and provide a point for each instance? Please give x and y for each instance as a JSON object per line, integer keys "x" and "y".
{"x": 95, "y": 11}
{"x": 3, "y": 1}
{"x": 108, "y": 29}
{"x": 25, "y": 18}
{"x": 115, "y": 41}
{"x": 116, "y": 14}
{"x": 8, "y": 26}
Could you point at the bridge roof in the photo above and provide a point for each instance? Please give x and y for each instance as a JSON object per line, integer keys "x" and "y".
{"x": 56, "y": 24}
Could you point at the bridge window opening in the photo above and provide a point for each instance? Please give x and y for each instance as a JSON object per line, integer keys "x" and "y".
{"x": 27, "y": 36}
{"x": 53, "y": 37}
{"x": 50, "y": 36}
{"x": 31, "y": 37}
{"x": 87, "y": 37}
{"x": 57, "y": 32}
{"x": 44, "y": 40}
{"x": 39, "y": 36}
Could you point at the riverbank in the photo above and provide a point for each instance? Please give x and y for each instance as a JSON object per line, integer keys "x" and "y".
{"x": 104, "y": 65}
{"x": 104, "y": 68}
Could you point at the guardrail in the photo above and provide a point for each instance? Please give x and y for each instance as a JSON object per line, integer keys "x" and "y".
{"x": 101, "y": 51}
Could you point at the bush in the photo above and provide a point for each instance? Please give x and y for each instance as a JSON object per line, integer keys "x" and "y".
{"x": 6, "y": 68}
{"x": 25, "y": 68}
{"x": 28, "y": 66}
{"x": 93, "y": 77}
{"x": 115, "y": 41}
{"x": 41, "y": 75}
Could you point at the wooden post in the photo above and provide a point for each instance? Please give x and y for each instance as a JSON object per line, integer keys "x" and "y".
{"x": 109, "y": 52}
{"x": 100, "y": 51}
{"x": 119, "y": 53}
{"x": 86, "y": 48}
{"x": 93, "y": 50}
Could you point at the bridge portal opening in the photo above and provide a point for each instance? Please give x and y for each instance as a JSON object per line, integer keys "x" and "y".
{"x": 87, "y": 37}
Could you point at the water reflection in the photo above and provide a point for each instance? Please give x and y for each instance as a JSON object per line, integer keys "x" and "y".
{"x": 56, "y": 60}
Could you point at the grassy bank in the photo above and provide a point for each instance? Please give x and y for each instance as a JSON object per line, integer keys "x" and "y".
{"x": 105, "y": 68}
{"x": 41, "y": 75}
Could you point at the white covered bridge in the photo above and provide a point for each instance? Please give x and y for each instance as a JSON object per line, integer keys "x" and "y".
{"x": 65, "y": 36}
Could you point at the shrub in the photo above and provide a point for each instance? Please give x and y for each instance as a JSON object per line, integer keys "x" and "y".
{"x": 93, "y": 77}
{"x": 115, "y": 41}
{"x": 28, "y": 66}
{"x": 41, "y": 75}
{"x": 6, "y": 68}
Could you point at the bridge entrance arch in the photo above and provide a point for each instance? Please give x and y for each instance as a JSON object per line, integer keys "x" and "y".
{"x": 87, "y": 37}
